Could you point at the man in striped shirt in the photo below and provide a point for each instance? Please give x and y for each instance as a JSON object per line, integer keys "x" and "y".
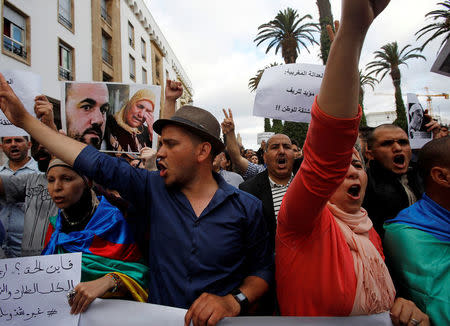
{"x": 271, "y": 184}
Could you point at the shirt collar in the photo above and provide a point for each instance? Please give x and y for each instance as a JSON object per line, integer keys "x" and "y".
{"x": 30, "y": 165}
{"x": 273, "y": 184}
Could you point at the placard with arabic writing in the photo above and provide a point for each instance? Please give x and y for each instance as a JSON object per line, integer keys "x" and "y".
{"x": 33, "y": 289}
{"x": 287, "y": 92}
{"x": 27, "y": 86}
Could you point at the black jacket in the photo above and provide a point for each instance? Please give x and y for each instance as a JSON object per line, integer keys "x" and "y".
{"x": 259, "y": 186}
{"x": 385, "y": 196}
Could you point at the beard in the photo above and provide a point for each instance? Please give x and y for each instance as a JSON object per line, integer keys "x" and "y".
{"x": 42, "y": 157}
{"x": 87, "y": 139}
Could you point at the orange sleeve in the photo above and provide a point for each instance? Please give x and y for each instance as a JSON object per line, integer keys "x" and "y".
{"x": 327, "y": 156}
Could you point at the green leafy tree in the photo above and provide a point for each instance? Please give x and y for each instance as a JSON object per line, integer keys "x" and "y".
{"x": 267, "y": 126}
{"x": 287, "y": 32}
{"x": 365, "y": 80}
{"x": 325, "y": 18}
{"x": 388, "y": 60}
{"x": 277, "y": 126}
{"x": 439, "y": 26}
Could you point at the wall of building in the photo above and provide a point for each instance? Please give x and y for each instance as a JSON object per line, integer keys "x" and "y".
{"x": 45, "y": 31}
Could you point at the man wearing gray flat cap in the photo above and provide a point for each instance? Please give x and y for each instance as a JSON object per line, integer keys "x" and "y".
{"x": 209, "y": 249}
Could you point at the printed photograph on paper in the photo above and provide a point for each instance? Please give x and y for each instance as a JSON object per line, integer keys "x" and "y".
{"x": 111, "y": 116}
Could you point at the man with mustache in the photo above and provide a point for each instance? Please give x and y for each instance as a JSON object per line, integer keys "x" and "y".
{"x": 11, "y": 214}
{"x": 30, "y": 190}
{"x": 86, "y": 107}
{"x": 392, "y": 183}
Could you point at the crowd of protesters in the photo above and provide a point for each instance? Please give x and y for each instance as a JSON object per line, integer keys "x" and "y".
{"x": 206, "y": 225}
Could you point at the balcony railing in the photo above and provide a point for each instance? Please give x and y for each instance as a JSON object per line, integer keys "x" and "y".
{"x": 62, "y": 17}
{"x": 105, "y": 15}
{"x": 107, "y": 57}
{"x": 12, "y": 46}
{"x": 65, "y": 74}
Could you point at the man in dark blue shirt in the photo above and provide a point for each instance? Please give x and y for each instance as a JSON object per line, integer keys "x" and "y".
{"x": 209, "y": 247}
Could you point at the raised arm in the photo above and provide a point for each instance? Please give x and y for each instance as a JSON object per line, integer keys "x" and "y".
{"x": 240, "y": 164}
{"x": 333, "y": 129}
{"x": 61, "y": 146}
{"x": 173, "y": 91}
{"x": 339, "y": 91}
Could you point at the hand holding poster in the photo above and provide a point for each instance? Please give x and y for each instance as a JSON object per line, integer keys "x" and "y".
{"x": 417, "y": 132}
{"x": 287, "y": 92}
{"x": 33, "y": 289}
{"x": 111, "y": 116}
{"x": 27, "y": 86}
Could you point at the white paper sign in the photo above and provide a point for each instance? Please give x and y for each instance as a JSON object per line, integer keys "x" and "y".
{"x": 33, "y": 290}
{"x": 287, "y": 92}
{"x": 121, "y": 312}
{"x": 417, "y": 132}
{"x": 264, "y": 136}
{"x": 382, "y": 319}
{"x": 27, "y": 86}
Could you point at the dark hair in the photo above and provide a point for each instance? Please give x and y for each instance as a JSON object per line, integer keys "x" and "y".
{"x": 25, "y": 137}
{"x": 434, "y": 153}
{"x": 371, "y": 135}
{"x": 294, "y": 142}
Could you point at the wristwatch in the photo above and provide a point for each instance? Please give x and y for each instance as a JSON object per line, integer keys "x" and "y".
{"x": 241, "y": 299}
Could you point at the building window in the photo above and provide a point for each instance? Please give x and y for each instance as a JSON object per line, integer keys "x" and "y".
{"x": 106, "y": 77}
{"x": 144, "y": 76}
{"x": 65, "y": 13}
{"x": 131, "y": 35}
{"x": 104, "y": 11}
{"x": 65, "y": 61}
{"x": 106, "y": 45}
{"x": 157, "y": 62}
{"x": 143, "y": 49}
{"x": 14, "y": 32}
{"x": 132, "y": 67}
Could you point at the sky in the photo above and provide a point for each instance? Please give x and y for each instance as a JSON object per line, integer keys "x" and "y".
{"x": 213, "y": 41}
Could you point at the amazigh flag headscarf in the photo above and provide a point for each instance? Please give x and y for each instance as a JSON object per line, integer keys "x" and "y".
{"x": 106, "y": 244}
{"x": 417, "y": 248}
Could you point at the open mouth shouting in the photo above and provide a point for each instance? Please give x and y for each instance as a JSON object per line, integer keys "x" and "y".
{"x": 354, "y": 191}
{"x": 281, "y": 161}
{"x": 161, "y": 167}
{"x": 399, "y": 161}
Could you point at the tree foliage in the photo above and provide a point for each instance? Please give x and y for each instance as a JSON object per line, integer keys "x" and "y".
{"x": 439, "y": 26}
{"x": 325, "y": 18}
{"x": 388, "y": 60}
{"x": 287, "y": 32}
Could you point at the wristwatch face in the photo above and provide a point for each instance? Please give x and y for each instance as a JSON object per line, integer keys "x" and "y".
{"x": 240, "y": 296}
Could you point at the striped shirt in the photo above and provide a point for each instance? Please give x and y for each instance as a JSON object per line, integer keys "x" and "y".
{"x": 278, "y": 192}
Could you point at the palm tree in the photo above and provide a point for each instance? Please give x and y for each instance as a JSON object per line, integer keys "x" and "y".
{"x": 325, "y": 18}
{"x": 254, "y": 81}
{"x": 365, "y": 80}
{"x": 389, "y": 60}
{"x": 438, "y": 27}
{"x": 287, "y": 32}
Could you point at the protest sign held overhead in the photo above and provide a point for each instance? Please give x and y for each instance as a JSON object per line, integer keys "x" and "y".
{"x": 417, "y": 132}
{"x": 264, "y": 136}
{"x": 111, "y": 116}
{"x": 287, "y": 92}
{"x": 33, "y": 290}
{"x": 27, "y": 86}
